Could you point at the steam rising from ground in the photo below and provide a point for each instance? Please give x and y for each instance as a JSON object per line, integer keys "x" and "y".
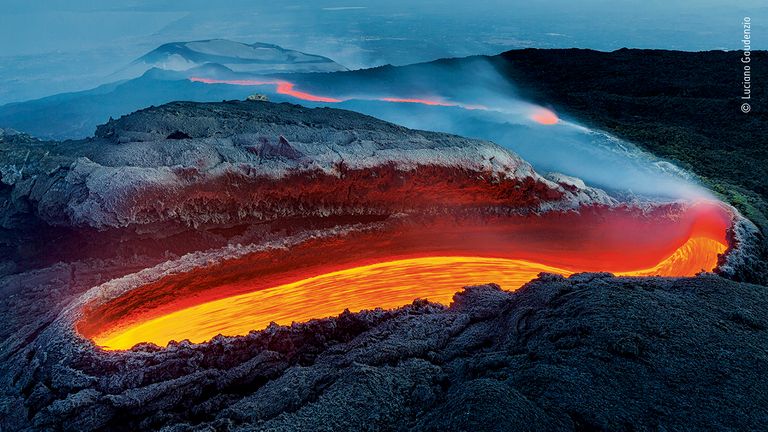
{"x": 478, "y": 102}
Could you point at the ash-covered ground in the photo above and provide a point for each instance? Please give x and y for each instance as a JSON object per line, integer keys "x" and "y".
{"x": 590, "y": 352}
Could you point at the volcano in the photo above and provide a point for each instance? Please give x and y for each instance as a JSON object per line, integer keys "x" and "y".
{"x": 247, "y": 227}
{"x": 408, "y": 214}
{"x": 254, "y": 58}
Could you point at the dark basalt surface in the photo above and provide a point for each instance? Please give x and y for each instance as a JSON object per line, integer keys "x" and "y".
{"x": 591, "y": 352}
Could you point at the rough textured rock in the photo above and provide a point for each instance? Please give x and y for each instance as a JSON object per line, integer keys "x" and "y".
{"x": 150, "y": 166}
{"x": 591, "y": 352}
{"x": 157, "y": 172}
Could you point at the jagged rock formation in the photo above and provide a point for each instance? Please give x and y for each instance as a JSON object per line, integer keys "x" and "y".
{"x": 11, "y": 136}
{"x": 153, "y": 166}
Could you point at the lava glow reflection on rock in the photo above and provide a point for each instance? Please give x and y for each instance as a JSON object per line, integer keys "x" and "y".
{"x": 392, "y": 267}
{"x": 386, "y": 285}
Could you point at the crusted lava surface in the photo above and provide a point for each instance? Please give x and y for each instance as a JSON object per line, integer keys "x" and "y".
{"x": 215, "y": 188}
{"x": 591, "y": 352}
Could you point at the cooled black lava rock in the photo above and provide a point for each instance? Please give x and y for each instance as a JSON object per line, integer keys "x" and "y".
{"x": 591, "y": 352}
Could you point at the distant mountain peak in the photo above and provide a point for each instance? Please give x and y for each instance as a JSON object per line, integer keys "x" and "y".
{"x": 257, "y": 58}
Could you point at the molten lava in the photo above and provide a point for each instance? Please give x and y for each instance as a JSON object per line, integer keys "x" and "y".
{"x": 418, "y": 101}
{"x": 391, "y": 266}
{"x": 282, "y": 87}
{"x": 432, "y": 102}
{"x": 288, "y": 88}
{"x": 544, "y": 116}
{"x": 385, "y": 285}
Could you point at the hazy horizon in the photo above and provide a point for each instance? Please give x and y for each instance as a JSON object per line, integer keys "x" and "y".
{"x": 54, "y": 46}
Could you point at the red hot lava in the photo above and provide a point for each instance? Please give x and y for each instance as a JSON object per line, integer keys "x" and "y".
{"x": 544, "y": 116}
{"x": 282, "y": 87}
{"x": 397, "y": 262}
{"x": 432, "y": 102}
{"x": 539, "y": 115}
{"x": 288, "y": 88}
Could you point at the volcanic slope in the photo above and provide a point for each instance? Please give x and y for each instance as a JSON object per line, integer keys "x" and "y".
{"x": 210, "y": 190}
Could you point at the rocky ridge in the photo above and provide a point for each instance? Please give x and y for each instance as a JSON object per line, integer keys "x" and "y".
{"x": 165, "y": 169}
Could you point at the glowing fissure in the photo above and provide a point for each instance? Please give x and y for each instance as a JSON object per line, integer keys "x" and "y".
{"x": 539, "y": 115}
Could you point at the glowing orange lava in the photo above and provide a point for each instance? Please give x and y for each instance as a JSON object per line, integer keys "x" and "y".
{"x": 282, "y": 87}
{"x": 432, "y": 102}
{"x": 544, "y": 116}
{"x": 418, "y": 101}
{"x": 390, "y": 265}
{"x": 387, "y": 285}
{"x": 288, "y": 88}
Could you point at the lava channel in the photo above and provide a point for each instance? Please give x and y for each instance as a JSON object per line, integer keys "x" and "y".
{"x": 539, "y": 115}
{"x": 430, "y": 258}
{"x": 281, "y": 87}
{"x": 288, "y": 88}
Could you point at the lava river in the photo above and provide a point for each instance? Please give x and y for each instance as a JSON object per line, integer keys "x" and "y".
{"x": 538, "y": 114}
{"x": 392, "y": 264}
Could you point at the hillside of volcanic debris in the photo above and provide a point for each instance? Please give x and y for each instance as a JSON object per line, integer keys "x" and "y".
{"x": 191, "y": 175}
{"x": 590, "y": 352}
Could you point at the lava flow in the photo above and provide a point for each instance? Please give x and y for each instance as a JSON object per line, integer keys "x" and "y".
{"x": 282, "y": 87}
{"x": 544, "y": 116}
{"x": 390, "y": 267}
{"x": 288, "y": 88}
{"x": 433, "y": 102}
{"x": 539, "y": 115}
{"x": 385, "y": 285}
